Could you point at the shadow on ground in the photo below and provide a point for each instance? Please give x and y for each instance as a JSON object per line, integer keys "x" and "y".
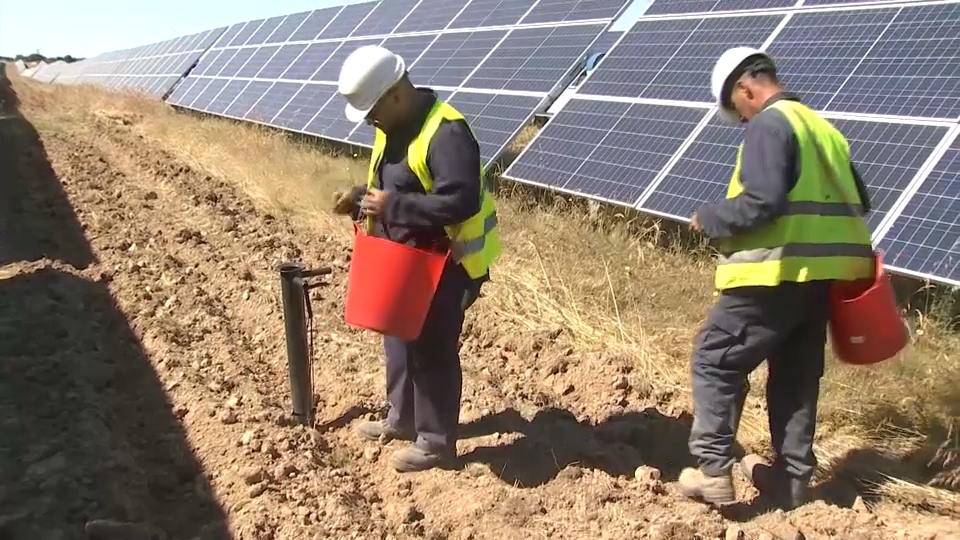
{"x": 36, "y": 218}
{"x": 554, "y": 439}
{"x": 86, "y": 430}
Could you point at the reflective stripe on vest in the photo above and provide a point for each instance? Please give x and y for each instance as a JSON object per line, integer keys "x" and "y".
{"x": 819, "y": 236}
{"x": 475, "y": 243}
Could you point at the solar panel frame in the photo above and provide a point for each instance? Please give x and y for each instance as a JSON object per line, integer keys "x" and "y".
{"x": 915, "y": 239}
{"x": 888, "y": 155}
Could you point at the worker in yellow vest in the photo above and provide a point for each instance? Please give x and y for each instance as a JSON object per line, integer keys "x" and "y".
{"x": 791, "y": 224}
{"x": 426, "y": 189}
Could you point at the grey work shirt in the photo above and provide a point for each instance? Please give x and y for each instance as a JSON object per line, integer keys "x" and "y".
{"x": 769, "y": 170}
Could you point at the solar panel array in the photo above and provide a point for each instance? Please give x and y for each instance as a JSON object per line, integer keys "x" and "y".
{"x": 642, "y": 130}
{"x": 152, "y": 69}
{"x": 496, "y": 61}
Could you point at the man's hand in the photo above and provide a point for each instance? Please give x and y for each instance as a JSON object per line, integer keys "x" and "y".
{"x": 374, "y": 203}
{"x": 343, "y": 203}
{"x": 695, "y": 224}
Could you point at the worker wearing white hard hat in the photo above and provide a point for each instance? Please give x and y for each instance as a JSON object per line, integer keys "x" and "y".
{"x": 425, "y": 189}
{"x": 790, "y": 226}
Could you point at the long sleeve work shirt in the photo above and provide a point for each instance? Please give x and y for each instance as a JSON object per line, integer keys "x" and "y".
{"x": 769, "y": 170}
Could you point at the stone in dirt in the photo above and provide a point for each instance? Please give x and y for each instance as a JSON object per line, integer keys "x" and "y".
{"x": 402, "y": 513}
{"x": 253, "y": 475}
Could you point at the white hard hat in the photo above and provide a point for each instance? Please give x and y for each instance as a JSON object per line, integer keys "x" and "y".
{"x": 366, "y": 76}
{"x": 725, "y": 67}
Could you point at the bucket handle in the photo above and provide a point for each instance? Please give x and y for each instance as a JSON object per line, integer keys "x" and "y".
{"x": 367, "y": 229}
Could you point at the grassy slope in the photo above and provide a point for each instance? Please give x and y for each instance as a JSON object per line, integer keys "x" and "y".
{"x": 612, "y": 281}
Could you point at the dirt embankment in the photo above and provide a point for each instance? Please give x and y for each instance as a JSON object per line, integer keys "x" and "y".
{"x": 144, "y": 380}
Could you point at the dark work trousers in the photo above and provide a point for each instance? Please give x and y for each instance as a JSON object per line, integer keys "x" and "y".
{"x": 424, "y": 379}
{"x": 787, "y": 326}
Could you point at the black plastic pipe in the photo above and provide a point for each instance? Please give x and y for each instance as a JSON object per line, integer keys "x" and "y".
{"x": 293, "y": 293}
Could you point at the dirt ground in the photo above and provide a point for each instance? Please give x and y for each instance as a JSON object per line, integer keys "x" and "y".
{"x": 144, "y": 381}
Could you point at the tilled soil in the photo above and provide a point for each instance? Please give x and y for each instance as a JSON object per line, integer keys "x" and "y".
{"x": 144, "y": 380}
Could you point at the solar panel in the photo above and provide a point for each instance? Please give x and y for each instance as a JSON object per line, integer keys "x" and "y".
{"x": 498, "y": 75}
{"x": 605, "y": 150}
{"x": 924, "y": 239}
{"x": 152, "y": 69}
{"x": 672, "y": 59}
{"x": 386, "y": 15}
{"x": 913, "y": 70}
{"x": 533, "y": 59}
{"x": 677, "y": 7}
{"x": 548, "y": 11}
{"x": 888, "y": 155}
{"x": 431, "y": 16}
{"x": 480, "y": 13}
{"x": 452, "y": 57}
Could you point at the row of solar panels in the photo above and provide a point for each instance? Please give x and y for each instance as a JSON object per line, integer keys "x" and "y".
{"x": 640, "y": 130}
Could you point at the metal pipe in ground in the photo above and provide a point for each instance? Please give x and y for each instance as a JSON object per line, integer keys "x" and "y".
{"x": 293, "y": 293}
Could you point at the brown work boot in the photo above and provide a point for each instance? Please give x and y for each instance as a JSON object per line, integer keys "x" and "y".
{"x": 774, "y": 484}
{"x": 377, "y": 430}
{"x": 416, "y": 459}
{"x": 712, "y": 489}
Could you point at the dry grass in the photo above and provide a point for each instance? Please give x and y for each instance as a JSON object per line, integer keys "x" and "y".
{"x": 613, "y": 279}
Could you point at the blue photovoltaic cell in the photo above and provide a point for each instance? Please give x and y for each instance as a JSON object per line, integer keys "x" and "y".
{"x": 431, "y": 16}
{"x": 247, "y": 99}
{"x": 310, "y": 60}
{"x": 267, "y": 28}
{"x": 287, "y": 27}
{"x": 534, "y": 59}
{"x": 480, "y": 13}
{"x": 314, "y": 24}
{"x": 887, "y": 155}
{"x": 606, "y": 150}
{"x": 547, "y": 11}
{"x": 675, "y": 7}
{"x": 191, "y": 95}
{"x": 244, "y": 33}
{"x": 808, "y": 3}
{"x": 386, "y": 15}
{"x": 273, "y": 99}
{"x": 817, "y": 52}
{"x": 409, "y": 47}
{"x": 673, "y": 59}
{"x": 226, "y": 96}
{"x": 702, "y": 173}
{"x": 203, "y": 100}
{"x": 182, "y": 89}
{"x": 281, "y": 61}
{"x": 330, "y": 70}
{"x": 925, "y": 237}
{"x": 303, "y": 106}
{"x": 227, "y": 36}
{"x": 452, "y": 57}
{"x": 912, "y": 70}
{"x": 346, "y": 21}
{"x": 238, "y": 61}
{"x": 495, "y": 118}
{"x": 331, "y": 122}
{"x": 257, "y": 60}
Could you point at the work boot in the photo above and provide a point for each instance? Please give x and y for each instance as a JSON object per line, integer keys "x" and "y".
{"x": 375, "y": 430}
{"x": 415, "y": 459}
{"x": 774, "y": 484}
{"x": 712, "y": 489}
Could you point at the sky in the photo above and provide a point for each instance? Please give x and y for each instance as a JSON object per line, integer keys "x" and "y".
{"x": 85, "y": 28}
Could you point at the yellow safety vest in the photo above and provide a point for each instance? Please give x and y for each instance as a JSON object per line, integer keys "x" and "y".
{"x": 476, "y": 241}
{"x": 819, "y": 236}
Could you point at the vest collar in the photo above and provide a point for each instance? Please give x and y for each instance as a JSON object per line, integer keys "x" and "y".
{"x": 780, "y": 96}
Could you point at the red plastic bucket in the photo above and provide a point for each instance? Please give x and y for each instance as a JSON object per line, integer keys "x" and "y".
{"x": 865, "y": 324}
{"x": 391, "y": 286}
